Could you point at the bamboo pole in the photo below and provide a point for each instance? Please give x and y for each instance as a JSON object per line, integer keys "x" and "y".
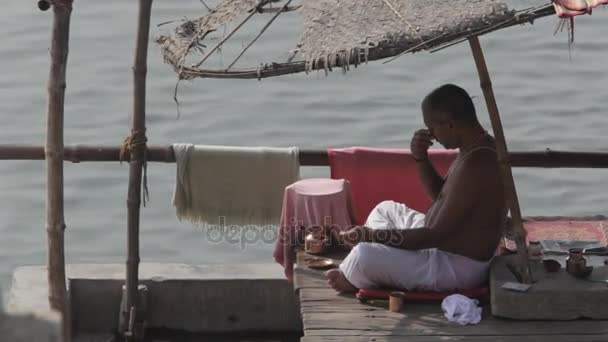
{"x": 137, "y": 148}
{"x": 55, "y": 222}
{"x": 503, "y": 153}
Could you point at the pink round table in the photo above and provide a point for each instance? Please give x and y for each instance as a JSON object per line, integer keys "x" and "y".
{"x": 312, "y": 202}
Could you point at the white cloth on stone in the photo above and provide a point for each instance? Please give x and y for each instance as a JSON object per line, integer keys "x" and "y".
{"x": 373, "y": 265}
{"x": 461, "y": 309}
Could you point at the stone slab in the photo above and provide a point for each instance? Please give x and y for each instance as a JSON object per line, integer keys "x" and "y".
{"x": 553, "y": 296}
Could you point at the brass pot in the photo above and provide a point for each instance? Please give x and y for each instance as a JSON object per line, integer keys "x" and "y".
{"x": 315, "y": 243}
{"x": 576, "y": 264}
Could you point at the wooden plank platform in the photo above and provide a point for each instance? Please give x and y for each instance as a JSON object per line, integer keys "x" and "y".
{"x": 329, "y": 316}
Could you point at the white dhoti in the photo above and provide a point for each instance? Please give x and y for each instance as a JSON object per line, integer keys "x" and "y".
{"x": 373, "y": 265}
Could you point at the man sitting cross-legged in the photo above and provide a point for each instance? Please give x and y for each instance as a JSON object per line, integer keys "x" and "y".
{"x": 449, "y": 248}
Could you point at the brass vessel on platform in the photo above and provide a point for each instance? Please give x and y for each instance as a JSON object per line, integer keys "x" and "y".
{"x": 316, "y": 241}
{"x": 576, "y": 264}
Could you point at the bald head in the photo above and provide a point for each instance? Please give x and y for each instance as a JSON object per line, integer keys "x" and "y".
{"x": 452, "y": 101}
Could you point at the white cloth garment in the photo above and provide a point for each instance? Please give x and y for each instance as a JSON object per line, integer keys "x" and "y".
{"x": 373, "y": 265}
{"x": 232, "y": 185}
{"x": 460, "y": 309}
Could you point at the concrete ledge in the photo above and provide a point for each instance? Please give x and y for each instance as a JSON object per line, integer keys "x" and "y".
{"x": 29, "y": 293}
{"x": 210, "y": 298}
{"x": 29, "y": 329}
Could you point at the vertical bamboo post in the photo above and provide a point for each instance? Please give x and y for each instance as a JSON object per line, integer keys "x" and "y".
{"x": 137, "y": 148}
{"x": 503, "y": 157}
{"x": 55, "y": 223}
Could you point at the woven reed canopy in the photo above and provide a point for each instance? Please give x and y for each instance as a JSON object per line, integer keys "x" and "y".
{"x": 341, "y": 33}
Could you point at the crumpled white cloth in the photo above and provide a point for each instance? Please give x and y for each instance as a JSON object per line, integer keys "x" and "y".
{"x": 461, "y": 309}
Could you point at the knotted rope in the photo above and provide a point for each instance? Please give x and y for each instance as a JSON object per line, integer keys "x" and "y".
{"x": 133, "y": 145}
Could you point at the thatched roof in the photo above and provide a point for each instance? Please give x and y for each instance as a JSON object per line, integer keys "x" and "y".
{"x": 346, "y": 28}
{"x": 340, "y": 33}
{"x": 191, "y": 34}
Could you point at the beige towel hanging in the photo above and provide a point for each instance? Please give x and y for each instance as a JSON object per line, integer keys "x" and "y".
{"x": 232, "y": 185}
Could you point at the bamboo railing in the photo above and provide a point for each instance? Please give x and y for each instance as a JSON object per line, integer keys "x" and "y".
{"x": 308, "y": 157}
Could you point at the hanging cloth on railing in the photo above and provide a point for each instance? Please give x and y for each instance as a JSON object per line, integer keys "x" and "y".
{"x": 230, "y": 185}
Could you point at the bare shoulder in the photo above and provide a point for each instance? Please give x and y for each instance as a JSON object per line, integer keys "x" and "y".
{"x": 485, "y": 157}
{"x": 482, "y": 165}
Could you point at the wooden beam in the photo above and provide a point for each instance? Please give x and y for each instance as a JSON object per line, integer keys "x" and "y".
{"x": 55, "y": 221}
{"x": 137, "y": 149}
{"x": 503, "y": 158}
